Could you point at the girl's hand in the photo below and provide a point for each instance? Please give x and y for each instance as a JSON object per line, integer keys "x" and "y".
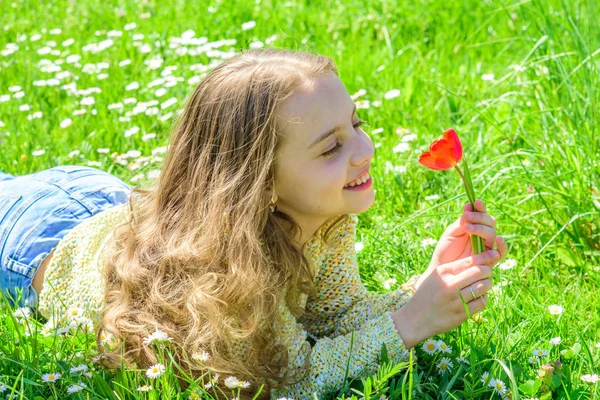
{"x": 455, "y": 243}
{"x": 436, "y": 307}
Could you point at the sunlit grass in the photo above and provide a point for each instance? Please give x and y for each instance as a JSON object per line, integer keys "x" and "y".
{"x": 92, "y": 83}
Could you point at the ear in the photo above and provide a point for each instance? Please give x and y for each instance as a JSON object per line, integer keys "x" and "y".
{"x": 269, "y": 193}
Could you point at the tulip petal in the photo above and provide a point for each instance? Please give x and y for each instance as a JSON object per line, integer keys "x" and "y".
{"x": 455, "y": 145}
{"x": 435, "y": 163}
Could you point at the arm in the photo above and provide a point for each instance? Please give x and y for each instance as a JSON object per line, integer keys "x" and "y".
{"x": 326, "y": 361}
{"x": 342, "y": 302}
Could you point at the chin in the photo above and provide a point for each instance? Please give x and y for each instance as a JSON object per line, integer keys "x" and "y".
{"x": 360, "y": 208}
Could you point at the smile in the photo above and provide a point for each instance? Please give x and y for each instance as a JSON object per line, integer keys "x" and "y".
{"x": 361, "y": 180}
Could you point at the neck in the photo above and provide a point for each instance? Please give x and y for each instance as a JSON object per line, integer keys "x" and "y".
{"x": 308, "y": 228}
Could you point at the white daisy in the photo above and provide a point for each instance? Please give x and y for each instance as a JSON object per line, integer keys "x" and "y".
{"x": 73, "y": 313}
{"x": 428, "y": 242}
{"x": 444, "y": 348}
{"x": 231, "y": 382}
{"x": 77, "y": 387}
{"x": 22, "y": 313}
{"x": 248, "y": 25}
{"x": 144, "y": 388}
{"x": 157, "y": 336}
{"x": 391, "y": 94}
{"x": 485, "y": 378}
{"x": 555, "y": 309}
{"x": 555, "y": 341}
{"x": 389, "y": 283}
{"x": 590, "y": 378}
{"x": 445, "y": 365}
{"x": 155, "y": 371}
{"x": 540, "y": 353}
{"x": 498, "y": 385}
{"x": 132, "y": 131}
{"x": 430, "y": 346}
{"x": 168, "y": 103}
{"x": 79, "y": 368}
{"x": 87, "y": 101}
{"x": 508, "y": 264}
{"x": 51, "y": 377}
{"x": 401, "y": 148}
{"x": 148, "y": 136}
{"x": 107, "y": 338}
{"x": 201, "y": 356}
{"x": 132, "y": 86}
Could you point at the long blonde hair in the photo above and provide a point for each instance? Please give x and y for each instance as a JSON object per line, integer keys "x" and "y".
{"x": 201, "y": 257}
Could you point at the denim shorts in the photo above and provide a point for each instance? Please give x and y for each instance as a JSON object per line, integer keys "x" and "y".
{"x": 39, "y": 209}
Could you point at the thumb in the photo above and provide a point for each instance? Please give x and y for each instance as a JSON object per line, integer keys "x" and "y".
{"x": 457, "y": 228}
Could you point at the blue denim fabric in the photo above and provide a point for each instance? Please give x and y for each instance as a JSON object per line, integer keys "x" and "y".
{"x": 39, "y": 209}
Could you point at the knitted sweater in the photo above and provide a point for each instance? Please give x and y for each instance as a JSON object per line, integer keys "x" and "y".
{"x": 342, "y": 304}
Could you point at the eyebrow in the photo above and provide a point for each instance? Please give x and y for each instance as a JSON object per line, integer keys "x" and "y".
{"x": 330, "y": 132}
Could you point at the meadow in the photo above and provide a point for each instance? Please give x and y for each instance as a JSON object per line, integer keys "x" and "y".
{"x": 98, "y": 84}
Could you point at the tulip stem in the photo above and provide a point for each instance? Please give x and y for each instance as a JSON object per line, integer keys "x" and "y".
{"x": 477, "y": 243}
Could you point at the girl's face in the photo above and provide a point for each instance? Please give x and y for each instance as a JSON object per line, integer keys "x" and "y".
{"x": 315, "y": 163}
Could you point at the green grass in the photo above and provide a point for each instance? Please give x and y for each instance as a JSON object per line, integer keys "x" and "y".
{"x": 518, "y": 81}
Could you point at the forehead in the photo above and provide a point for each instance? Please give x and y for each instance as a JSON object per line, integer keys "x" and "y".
{"x": 314, "y": 108}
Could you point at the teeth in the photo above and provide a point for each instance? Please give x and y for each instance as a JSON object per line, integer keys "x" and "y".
{"x": 359, "y": 181}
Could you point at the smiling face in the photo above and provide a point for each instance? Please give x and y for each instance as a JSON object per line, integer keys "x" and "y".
{"x": 312, "y": 167}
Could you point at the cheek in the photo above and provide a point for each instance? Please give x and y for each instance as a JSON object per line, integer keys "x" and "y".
{"x": 315, "y": 185}
{"x": 334, "y": 175}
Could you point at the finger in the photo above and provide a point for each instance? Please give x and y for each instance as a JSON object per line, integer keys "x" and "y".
{"x": 502, "y": 247}
{"x": 489, "y": 257}
{"x": 479, "y": 287}
{"x": 456, "y": 228}
{"x": 479, "y": 206}
{"x": 488, "y": 234}
{"x": 472, "y": 275}
{"x": 478, "y": 304}
{"x": 478, "y": 218}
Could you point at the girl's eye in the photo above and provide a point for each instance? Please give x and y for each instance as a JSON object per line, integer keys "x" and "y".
{"x": 338, "y": 146}
{"x": 360, "y": 122}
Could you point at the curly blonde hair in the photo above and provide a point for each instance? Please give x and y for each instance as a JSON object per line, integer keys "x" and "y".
{"x": 201, "y": 257}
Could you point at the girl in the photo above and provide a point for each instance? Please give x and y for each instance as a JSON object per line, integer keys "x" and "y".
{"x": 242, "y": 254}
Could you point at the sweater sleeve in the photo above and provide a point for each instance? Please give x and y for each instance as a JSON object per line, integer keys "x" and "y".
{"x": 342, "y": 303}
{"x": 322, "y": 367}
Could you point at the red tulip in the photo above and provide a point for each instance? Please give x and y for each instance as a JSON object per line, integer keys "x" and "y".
{"x": 446, "y": 153}
{"x": 443, "y": 153}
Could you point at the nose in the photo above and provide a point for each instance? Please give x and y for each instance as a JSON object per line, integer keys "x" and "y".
{"x": 364, "y": 150}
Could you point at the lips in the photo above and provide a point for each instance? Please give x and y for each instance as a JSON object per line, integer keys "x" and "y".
{"x": 359, "y": 175}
